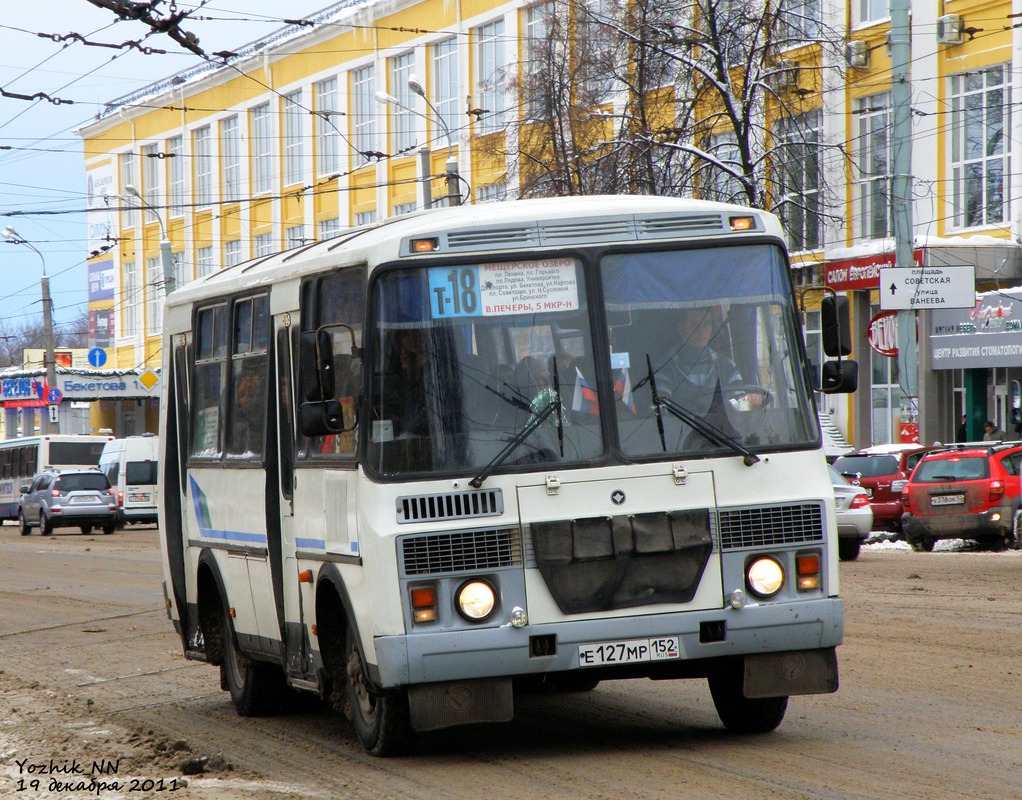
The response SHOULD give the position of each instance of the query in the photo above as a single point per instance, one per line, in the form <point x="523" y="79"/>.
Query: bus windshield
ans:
<point x="495" y="365"/>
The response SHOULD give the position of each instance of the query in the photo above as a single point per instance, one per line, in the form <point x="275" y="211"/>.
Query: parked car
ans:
<point x="80" y="498"/>
<point x="882" y="471"/>
<point x="969" y="492"/>
<point x="854" y="516"/>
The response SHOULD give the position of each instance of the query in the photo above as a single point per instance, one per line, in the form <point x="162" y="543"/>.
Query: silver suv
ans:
<point x="80" y="498"/>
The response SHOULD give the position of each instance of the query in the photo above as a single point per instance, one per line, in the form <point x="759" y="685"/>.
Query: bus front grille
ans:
<point x="441" y="553"/>
<point x="445" y="506"/>
<point x="767" y="526"/>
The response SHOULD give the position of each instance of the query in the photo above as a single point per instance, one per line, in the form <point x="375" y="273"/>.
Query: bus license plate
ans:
<point x="599" y="654"/>
<point x="947" y="500"/>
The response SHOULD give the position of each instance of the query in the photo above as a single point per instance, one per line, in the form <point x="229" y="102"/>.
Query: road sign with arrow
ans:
<point x="914" y="288"/>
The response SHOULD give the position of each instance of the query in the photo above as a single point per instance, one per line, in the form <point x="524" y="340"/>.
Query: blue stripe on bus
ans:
<point x="233" y="536"/>
<point x="316" y="544"/>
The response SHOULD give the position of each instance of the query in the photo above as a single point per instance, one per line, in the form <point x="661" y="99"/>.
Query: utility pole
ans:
<point x="901" y="196"/>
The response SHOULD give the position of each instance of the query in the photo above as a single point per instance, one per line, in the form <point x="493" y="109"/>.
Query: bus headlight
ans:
<point x="476" y="600"/>
<point x="765" y="577"/>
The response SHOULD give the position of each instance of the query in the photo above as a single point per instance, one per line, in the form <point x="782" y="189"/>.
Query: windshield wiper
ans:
<point x="697" y="423"/>
<point x="515" y="442"/>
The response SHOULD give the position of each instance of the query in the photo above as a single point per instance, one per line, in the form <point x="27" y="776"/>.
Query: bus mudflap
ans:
<point x="449" y="703"/>
<point x="791" y="673"/>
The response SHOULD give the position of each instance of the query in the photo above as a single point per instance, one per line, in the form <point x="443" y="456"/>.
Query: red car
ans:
<point x="970" y="492"/>
<point x="882" y="471"/>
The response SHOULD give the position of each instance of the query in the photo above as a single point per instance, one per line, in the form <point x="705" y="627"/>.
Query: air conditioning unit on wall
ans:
<point x="950" y="29"/>
<point x="857" y="54"/>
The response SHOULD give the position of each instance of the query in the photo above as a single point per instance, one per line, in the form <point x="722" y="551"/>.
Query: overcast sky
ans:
<point x="42" y="167"/>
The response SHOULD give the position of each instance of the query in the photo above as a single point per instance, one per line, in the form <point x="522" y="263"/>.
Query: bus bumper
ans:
<point x="535" y="650"/>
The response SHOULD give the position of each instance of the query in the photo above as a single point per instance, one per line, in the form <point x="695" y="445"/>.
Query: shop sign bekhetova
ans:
<point x="863" y="272"/>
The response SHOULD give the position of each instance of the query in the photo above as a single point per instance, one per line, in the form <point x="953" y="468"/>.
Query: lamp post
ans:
<point x="49" y="358"/>
<point x="169" y="278"/>
<point x="452" y="177"/>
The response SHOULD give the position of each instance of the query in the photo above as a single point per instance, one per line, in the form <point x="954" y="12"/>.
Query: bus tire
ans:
<point x="23" y="525"/>
<point x="381" y="720"/>
<point x="255" y="687"/>
<point x="741" y="714"/>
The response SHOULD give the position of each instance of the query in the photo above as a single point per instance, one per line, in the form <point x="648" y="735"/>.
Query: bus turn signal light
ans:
<point x="425" y="245"/>
<point x="742" y="223"/>
<point x="424" y="603"/>
<point x="807" y="567"/>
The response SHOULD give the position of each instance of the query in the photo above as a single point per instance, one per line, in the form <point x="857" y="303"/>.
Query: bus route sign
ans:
<point x="514" y="287"/>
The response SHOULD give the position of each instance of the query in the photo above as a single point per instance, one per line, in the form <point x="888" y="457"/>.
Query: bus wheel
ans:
<point x="381" y="721"/>
<point x="23" y="525"/>
<point x="741" y="714"/>
<point x="255" y="686"/>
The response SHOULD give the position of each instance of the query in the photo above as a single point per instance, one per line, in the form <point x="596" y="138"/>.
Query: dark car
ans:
<point x="882" y="471"/>
<point x="969" y="492"/>
<point x="70" y="499"/>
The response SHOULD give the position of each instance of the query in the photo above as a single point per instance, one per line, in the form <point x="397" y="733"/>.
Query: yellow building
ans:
<point x="355" y="117"/>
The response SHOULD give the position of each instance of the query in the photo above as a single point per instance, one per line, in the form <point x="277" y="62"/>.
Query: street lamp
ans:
<point x="169" y="278"/>
<point x="50" y="357"/>
<point x="452" y="177"/>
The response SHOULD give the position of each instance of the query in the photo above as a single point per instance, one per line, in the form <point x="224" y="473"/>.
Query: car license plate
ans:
<point x="947" y="499"/>
<point x="76" y="501"/>
<point x="597" y="654"/>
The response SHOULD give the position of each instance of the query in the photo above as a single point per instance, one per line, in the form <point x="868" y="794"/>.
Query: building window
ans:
<point x="870" y="11"/>
<point x="445" y="95"/>
<point x="294" y="141"/>
<point x="800" y="21"/>
<point x="980" y="118"/>
<point x="402" y="208"/>
<point x="490" y="77"/>
<point x="230" y="159"/>
<point x="129" y="177"/>
<point x="874" y="217"/>
<point x="294" y="237"/>
<point x="537" y="49"/>
<point x="328" y="228"/>
<point x="232" y="253"/>
<point x="363" y="110"/>
<point x="328" y="151"/>
<point x="176" y="166"/>
<point x="798" y="180"/>
<point x="152" y="186"/>
<point x="262" y="149"/>
<point x="365" y="218"/>
<point x="403" y="137"/>
<point x="717" y="183"/>
<point x="204" y="261"/>
<point x="155" y="293"/>
<point x="886" y="395"/>
<point x="263" y="245"/>
<point x="202" y="159"/>
<point x="491" y="192"/>
<point x="131" y="300"/>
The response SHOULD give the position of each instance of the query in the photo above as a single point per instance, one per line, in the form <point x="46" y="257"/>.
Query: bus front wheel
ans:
<point x="255" y="686"/>
<point x="380" y="719"/>
<point x="741" y="714"/>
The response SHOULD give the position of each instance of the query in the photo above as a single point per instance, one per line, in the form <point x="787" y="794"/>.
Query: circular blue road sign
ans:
<point x="97" y="357"/>
<point x="54" y="395"/>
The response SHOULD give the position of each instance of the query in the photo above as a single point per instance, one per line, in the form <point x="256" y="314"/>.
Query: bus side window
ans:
<point x="208" y="380"/>
<point x="247" y="420"/>
<point x="338" y="299"/>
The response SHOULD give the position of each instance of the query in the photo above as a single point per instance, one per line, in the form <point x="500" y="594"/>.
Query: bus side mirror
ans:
<point x="322" y="417"/>
<point x="316" y="365"/>
<point x="839" y="377"/>
<point x="835" y="328"/>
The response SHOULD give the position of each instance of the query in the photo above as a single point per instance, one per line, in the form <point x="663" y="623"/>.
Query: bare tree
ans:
<point x="676" y="97"/>
<point x="27" y="334"/>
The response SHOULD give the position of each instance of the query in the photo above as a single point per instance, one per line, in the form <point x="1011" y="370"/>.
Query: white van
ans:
<point x="131" y="466"/>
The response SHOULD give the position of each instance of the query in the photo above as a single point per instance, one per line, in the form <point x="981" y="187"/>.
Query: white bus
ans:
<point x="415" y="466"/>
<point x="22" y="459"/>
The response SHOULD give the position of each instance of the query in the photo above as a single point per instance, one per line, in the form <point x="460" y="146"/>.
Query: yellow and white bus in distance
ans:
<point x="554" y="441"/>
